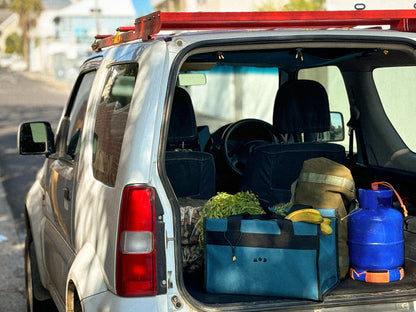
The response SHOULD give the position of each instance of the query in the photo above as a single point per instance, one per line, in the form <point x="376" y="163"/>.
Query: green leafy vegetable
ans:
<point x="223" y="205"/>
<point x="281" y="209"/>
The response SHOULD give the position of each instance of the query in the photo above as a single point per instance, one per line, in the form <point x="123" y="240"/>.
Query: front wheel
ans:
<point x="33" y="284"/>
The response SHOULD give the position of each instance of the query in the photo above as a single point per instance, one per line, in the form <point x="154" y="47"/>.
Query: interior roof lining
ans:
<point x="286" y="60"/>
<point x="303" y="44"/>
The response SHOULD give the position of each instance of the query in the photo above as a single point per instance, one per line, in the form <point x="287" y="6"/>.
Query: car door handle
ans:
<point x="67" y="193"/>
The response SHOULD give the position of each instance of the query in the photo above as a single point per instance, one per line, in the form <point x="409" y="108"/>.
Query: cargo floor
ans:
<point x="346" y="289"/>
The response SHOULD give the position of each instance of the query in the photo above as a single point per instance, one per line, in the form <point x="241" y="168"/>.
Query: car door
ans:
<point x="59" y="252"/>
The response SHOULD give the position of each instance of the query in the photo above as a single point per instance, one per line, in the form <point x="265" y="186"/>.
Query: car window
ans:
<point x="78" y="114"/>
<point x="110" y="122"/>
<point x="232" y="93"/>
<point x="397" y="93"/>
<point x="331" y="78"/>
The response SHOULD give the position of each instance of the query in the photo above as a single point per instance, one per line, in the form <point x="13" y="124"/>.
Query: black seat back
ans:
<point x="192" y="174"/>
<point x="272" y="169"/>
<point x="190" y="171"/>
<point x="183" y="133"/>
<point x="301" y="108"/>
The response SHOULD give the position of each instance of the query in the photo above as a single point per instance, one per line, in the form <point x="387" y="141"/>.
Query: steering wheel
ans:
<point x="240" y="137"/>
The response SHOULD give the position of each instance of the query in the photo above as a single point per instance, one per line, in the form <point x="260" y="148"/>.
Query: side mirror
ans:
<point x="35" y="138"/>
<point x="336" y="130"/>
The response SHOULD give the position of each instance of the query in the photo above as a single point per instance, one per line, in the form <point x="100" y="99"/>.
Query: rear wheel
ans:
<point x="37" y="297"/>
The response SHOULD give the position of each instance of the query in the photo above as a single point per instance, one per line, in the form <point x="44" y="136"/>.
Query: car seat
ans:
<point x="190" y="171"/>
<point x="301" y="110"/>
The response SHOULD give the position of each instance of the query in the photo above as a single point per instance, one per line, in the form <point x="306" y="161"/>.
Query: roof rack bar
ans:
<point x="402" y="20"/>
<point x="152" y="24"/>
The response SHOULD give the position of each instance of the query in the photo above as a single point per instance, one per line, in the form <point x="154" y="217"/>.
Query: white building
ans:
<point x="9" y="22"/>
<point x="66" y="33"/>
<point x="211" y="5"/>
<point x="332" y="5"/>
<point x="253" y="5"/>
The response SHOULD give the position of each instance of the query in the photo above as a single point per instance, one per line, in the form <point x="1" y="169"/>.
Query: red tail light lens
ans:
<point x="136" y="248"/>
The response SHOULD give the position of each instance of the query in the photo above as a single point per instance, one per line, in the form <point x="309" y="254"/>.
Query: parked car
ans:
<point x="166" y="114"/>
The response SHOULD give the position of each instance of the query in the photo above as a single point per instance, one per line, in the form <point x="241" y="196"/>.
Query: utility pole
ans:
<point x="96" y="12"/>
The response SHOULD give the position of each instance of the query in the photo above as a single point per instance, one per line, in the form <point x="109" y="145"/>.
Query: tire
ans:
<point x="33" y="284"/>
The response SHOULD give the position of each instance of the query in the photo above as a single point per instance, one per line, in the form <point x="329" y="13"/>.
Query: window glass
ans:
<point x="331" y="78"/>
<point x="111" y="118"/>
<point x="397" y="94"/>
<point x="78" y="114"/>
<point x="232" y="93"/>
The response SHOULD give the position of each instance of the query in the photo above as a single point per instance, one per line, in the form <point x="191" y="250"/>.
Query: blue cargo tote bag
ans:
<point x="267" y="258"/>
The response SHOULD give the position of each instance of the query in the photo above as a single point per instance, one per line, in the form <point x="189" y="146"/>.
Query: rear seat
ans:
<point x="190" y="171"/>
<point x="301" y="109"/>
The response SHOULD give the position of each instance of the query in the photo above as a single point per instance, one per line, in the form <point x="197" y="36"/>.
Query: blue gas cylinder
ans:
<point x="375" y="232"/>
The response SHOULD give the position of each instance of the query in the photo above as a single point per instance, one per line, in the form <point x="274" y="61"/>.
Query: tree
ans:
<point x="293" y="5"/>
<point x="14" y="44"/>
<point x="304" y="5"/>
<point x="29" y="11"/>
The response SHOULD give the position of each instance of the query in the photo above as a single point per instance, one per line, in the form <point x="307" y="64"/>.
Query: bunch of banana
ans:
<point x="311" y="216"/>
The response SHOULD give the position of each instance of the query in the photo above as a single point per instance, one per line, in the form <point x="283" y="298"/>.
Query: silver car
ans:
<point x="169" y="113"/>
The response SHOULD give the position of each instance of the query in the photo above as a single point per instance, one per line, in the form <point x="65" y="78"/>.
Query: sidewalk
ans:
<point x="12" y="274"/>
<point x="19" y="105"/>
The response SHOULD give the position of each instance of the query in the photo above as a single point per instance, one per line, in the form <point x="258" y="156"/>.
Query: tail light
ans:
<point x="136" y="247"/>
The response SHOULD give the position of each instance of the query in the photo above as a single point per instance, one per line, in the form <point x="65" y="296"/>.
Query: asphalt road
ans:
<point x="23" y="97"/>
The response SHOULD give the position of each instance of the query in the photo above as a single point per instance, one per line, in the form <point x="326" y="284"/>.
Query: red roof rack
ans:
<point x="152" y="24"/>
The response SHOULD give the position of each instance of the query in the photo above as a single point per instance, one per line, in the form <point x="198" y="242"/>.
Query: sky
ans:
<point x="142" y="7"/>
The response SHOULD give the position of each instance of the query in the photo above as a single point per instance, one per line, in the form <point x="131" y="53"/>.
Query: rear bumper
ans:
<point x="108" y="301"/>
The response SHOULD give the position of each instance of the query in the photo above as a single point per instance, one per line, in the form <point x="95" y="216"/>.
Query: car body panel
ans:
<point x="74" y="216"/>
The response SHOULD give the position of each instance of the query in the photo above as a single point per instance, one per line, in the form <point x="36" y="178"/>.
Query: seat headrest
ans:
<point x="182" y="126"/>
<point x="301" y="106"/>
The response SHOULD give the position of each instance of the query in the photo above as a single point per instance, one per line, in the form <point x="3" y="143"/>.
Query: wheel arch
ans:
<point x="85" y="278"/>
<point x="73" y="302"/>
